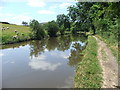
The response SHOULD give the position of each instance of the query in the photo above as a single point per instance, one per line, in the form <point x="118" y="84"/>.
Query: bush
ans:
<point x="52" y="28"/>
<point x="37" y="30"/>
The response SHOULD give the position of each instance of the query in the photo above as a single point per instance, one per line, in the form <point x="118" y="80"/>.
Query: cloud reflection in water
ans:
<point x="40" y="63"/>
<point x="68" y="83"/>
<point x="1" y="54"/>
<point x="64" y="55"/>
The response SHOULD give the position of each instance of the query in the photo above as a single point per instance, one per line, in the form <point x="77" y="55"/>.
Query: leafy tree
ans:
<point x="63" y="22"/>
<point x="79" y="16"/>
<point x="37" y="30"/>
<point x="24" y="23"/>
<point x="62" y="30"/>
<point x="100" y="17"/>
<point x="72" y="13"/>
<point x="52" y="28"/>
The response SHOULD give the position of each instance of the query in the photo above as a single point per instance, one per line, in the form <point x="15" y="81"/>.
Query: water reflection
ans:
<point x="1" y="54"/>
<point x="67" y="83"/>
<point x="75" y="44"/>
<point x="37" y="47"/>
<point x="37" y="63"/>
<point x="40" y="63"/>
<point x="76" y="55"/>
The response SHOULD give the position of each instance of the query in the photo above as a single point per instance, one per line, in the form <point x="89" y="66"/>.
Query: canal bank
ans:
<point x="99" y="68"/>
<point x="88" y="73"/>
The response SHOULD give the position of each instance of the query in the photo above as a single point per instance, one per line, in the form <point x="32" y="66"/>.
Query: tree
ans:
<point x="62" y="29"/>
<point x="52" y="28"/>
<point x="37" y="30"/>
<point x="24" y="23"/>
<point x="63" y="22"/>
<point x="79" y="16"/>
<point x="72" y="13"/>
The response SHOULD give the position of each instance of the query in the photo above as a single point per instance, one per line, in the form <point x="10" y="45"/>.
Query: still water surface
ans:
<point x="48" y="63"/>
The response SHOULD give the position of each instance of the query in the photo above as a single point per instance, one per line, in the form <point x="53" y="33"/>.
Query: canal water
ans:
<point x="48" y="63"/>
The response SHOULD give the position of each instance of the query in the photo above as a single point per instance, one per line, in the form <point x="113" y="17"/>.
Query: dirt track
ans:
<point x="108" y="64"/>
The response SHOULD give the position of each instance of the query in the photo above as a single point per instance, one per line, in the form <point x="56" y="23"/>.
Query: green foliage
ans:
<point x="62" y="30"/>
<point x="64" y="22"/>
<point x="52" y="28"/>
<point x="24" y="23"/>
<point x="79" y="15"/>
<point x="37" y="30"/>
<point x="102" y="18"/>
<point x="74" y="30"/>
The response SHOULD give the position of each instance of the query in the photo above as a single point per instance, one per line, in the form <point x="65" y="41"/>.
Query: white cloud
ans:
<point x="64" y="5"/>
<point x="21" y="18"/>
<point x="64" y="55"/>
<point x="53" y="7"/>
<point x="46" y="50"/>
<point x="63" y="0"/>
<point x="15" y="19"/>
<point x="68" y="83"/>
<point x="36" y="64"/>
<point x="40" y="63"/>
<point x="60" y="55"/>
<point x="40" y="57"/>
<point x="46" y="12"/>
<point x="13" y="0"/>
<point x="38" y="0"/>
<point x="36" y="3"/>
<point x="12" y="62"/>
<point x="1" y="54"/>
<point x="1" y="7"/>
<point x="81" y="43"/>
<point x="6" y="14"/>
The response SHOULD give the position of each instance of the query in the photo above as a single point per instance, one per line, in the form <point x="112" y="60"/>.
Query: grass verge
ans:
<point x="88" y="73"/>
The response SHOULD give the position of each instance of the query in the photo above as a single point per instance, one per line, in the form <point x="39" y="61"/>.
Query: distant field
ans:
<point x="7" y="34"/>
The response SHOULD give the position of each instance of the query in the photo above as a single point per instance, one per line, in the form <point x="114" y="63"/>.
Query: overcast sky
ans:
<point x="16" y="11"/>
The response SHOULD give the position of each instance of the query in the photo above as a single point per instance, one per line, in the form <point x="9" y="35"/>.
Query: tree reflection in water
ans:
<point x="76" y="54"/>
<point x="73" y="43"/>
<point x="37" y="47"/>
<point x="61" y="43"/>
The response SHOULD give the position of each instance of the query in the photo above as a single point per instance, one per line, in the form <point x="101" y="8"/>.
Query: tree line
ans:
<point x="95" y="17"/>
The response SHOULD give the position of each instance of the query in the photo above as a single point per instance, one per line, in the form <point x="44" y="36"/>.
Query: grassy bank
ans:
<point x="9" y="35"/>
<point x="112" y="44"/>
<point x="88" y="71"/>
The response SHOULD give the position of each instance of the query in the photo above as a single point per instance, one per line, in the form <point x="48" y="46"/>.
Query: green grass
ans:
<point x="7" y="35"/>
<point x="88" y="73"/>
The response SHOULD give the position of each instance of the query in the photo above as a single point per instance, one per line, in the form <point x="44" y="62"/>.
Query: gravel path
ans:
<point x="108" y="64"/>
